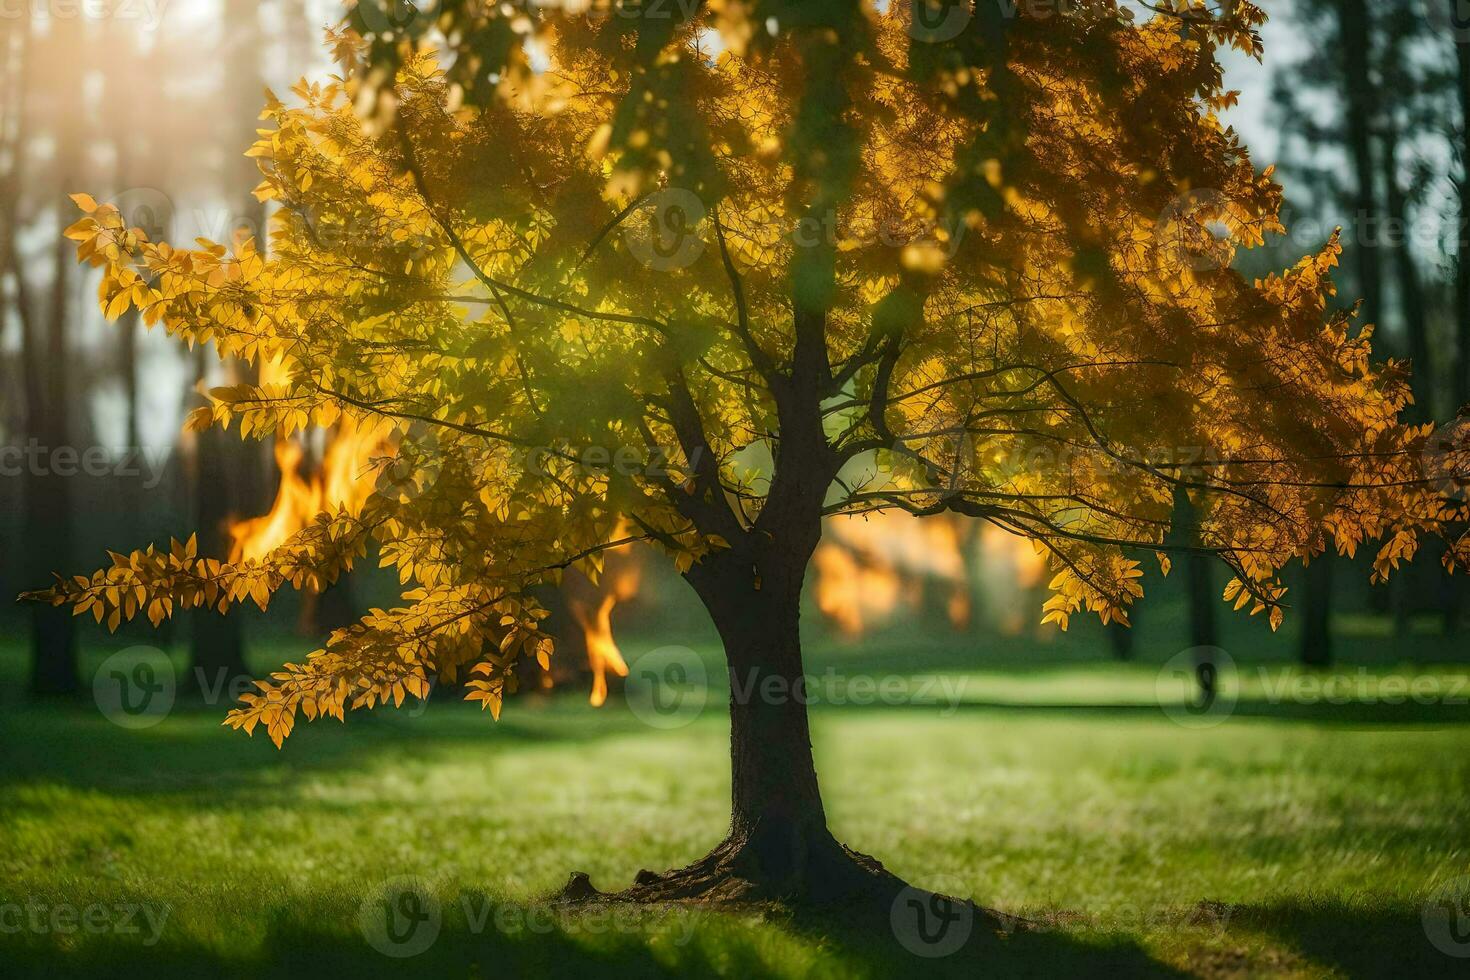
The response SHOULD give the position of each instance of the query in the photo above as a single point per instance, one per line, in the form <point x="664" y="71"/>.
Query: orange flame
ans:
<point x="1011" y="567"/>
<point x="870" y="567"/>
<point x="338" y="484"/>
<point x="851" y="591"/>
<point x="295" y="500"/>
<point x="622" y="574"/>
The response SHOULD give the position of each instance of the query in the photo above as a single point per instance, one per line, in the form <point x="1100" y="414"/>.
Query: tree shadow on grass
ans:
<point x="1354" y="940"/>
<point x="74" y="744"/>
<point x="1365" y="714"/>
<point x="890" y="950"/>
<point x="539" y="941"/>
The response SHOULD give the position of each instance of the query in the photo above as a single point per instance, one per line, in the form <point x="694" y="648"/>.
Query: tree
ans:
<point x="1460" y="33"/>
<point x="1350" y="27"/>
<point x="1363" y="157"/>
<point x="134" y="155"/>
<point x="1383" y="162"/>
<point x="1402" y="30"/>
<point x="45" y="354"/>
<point x="1460" y="310"/>
<point x="648" y="290"/>
<point x="227" y="477"/>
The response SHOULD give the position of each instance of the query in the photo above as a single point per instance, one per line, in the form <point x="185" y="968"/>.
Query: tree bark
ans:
<point x="48" y="532"/>
<point x="776" y="807"/>
<point x="1202" y="599"/>
<point x="1316" y="644"/>
<point x="779" y="847"/>
<point x="1356" y="45"/>
<point x="228" y="472"/>
<point x="1410" y="292"/>
<point x="216" y="642"/>
<point x="1362" y="115"/>
<point x="1410" y="284"/>
<point x="48" y="526"/>
<point x="1203" y="635"/>
<point x="1461" y="385"/>
<point x="1120" y="638"/>
<point x="1460" y="382"/>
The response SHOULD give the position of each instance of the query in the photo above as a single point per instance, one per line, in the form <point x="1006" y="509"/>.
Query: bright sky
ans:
<point x="1253" y="80"/>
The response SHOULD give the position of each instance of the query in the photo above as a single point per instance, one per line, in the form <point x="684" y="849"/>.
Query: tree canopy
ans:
<point x="677" y="279"/>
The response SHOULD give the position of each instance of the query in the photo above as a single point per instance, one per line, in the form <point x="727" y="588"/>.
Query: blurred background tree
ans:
<point x="1370" y="109"/>
<point x="116" y="99"/>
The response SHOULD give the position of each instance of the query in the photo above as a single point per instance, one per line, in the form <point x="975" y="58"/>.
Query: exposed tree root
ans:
<point x="823" y="879"/>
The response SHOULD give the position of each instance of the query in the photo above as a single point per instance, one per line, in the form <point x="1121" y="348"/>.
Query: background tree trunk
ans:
<point x="1361" y="115"/>
<point x="1203" y="635"/>
<point x="1407" y="280"/>
<point x="48" y="526"/>
<point x="1409" y="284"/>
<point x="216" y="643"/>
<point x="1461" y="385"/>
<point x="1460" y="380"/>
<point x="1202" y="599"/>
<point x="1316" y="643"/>
<point x="1120" y="637"/>
<point x="229" y="472"/>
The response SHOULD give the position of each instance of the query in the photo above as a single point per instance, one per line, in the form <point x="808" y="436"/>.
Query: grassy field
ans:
<point x="1300" y="836"/>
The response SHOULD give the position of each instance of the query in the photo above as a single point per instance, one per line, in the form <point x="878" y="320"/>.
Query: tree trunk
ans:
<point x="775" y="804"/>
<point x="1460" y="381"/>
<point x="1411" y="307"/>
<point x="1362" y="116"/>
<point x="1200" y="596"/>
<point x="1461" y="385"/>
<point x="1120" y="638"/>
<point x="1316" y="645"/>
<point x="48" y="530"/>
<point x="1410" y="285"/>
<point x="228" y="473"/>
<point x="778" y="847"/>
<point x="216" y="643"/>
<point x="1202" y="599"/>
<point x="1203" y="635"/>
<point x="334" y="608"/>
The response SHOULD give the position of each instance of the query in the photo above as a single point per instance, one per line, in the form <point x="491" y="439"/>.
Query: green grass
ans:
<point x="1297" y="839"/>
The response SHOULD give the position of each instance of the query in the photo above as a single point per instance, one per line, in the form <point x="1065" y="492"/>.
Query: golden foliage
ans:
<point x="993" y="276"/>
